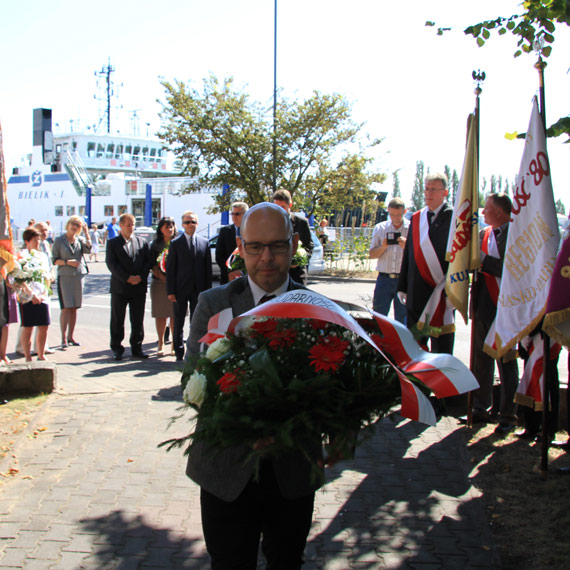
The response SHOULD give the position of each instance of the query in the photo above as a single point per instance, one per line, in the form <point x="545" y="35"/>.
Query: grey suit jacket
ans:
<point x="225" y="472"/>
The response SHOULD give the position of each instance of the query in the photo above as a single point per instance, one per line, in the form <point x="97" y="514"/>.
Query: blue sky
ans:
<point x="408" y="86"/>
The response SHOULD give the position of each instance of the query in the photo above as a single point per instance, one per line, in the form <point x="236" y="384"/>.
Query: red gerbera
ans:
<point x="328" y="355"/>
<point x="283" y="339"/>
<point x="229" y="382"/>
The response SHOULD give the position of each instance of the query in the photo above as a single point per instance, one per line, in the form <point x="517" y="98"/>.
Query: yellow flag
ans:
<point x="463" y="243"/>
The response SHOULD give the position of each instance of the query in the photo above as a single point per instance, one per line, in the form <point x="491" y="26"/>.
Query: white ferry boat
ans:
<point x="99" y="177"/>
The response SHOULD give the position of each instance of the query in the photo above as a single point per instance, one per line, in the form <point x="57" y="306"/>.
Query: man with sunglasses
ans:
<point x="237" y="509"/>
<point x="188" y="273"/>
<point x="226" y="243"/>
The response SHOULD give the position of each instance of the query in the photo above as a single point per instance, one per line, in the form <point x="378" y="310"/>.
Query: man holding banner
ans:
<point x="421" y="286"/>
<point x="493" y="240"/>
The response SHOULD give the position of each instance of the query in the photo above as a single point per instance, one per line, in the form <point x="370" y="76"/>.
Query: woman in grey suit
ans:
<point x="68" y="255"/>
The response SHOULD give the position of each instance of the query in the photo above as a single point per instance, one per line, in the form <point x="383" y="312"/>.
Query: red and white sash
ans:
<point x="436" y="313"/>
<point x="531" y="385"/>
<point x="489" y="247"/>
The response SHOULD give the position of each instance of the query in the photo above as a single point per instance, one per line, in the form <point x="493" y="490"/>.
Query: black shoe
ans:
<point x="139" y="354"/>
<point x="167" y="335"/>
<point x="504" y="428"/>
<point x="118" y="355"/>
<point x="179" y="357"/>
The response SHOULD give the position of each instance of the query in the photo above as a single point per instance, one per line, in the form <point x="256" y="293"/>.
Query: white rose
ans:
<point x="218" y="348"/>
<point x="195" y="390"/>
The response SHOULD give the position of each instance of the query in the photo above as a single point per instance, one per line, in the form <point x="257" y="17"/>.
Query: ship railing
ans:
<point x="77" y="172"/>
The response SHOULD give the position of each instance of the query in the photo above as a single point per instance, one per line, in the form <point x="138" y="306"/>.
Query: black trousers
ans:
<point x="180" y="310"/>
<point x="440" y="344"/>
<point x="232" y="530"/>
<point x="119" y="305"/>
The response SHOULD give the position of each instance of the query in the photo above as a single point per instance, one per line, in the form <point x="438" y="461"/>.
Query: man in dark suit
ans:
<point x="300" y="226"/>
<point x="226" y="243"/>
<point x="493" y="239"/>
<point x="188" y="273"/>
<point x="424" y="264"/>
<point x="128" y="259"/>
<point x="236" y="508"/>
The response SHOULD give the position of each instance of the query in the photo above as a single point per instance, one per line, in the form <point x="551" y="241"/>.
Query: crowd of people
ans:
<point x="274" y="505"/>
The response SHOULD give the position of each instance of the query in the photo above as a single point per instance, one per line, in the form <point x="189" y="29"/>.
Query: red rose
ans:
<point x="283" y="339"/>
<point x="264" y="328"/>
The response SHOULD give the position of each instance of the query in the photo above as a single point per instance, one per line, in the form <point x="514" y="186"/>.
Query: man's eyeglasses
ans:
<point x="186" y="222"/>
<point x="276" y="247"/>
<point x="432" y="190"/>
<point x="236" y="213"/>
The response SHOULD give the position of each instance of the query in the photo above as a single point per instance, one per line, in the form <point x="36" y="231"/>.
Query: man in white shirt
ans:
<point x="387" y="246"/>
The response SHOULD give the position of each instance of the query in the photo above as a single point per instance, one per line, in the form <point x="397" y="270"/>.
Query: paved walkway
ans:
<point x="94" y="492"/>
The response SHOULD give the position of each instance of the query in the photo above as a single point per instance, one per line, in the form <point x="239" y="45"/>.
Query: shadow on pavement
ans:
<point x="127" y="541"/>
<point x="387" y="518"/>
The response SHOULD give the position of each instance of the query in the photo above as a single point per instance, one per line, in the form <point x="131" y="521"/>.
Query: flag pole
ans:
<point x="547" y="384"/>
<point x="479" y="77"/>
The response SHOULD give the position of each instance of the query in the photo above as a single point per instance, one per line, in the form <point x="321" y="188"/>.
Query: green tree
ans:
<point x="533" y="27"/>
<point x="560" y="209"/>
<point x="454" y="184"/>
<point x="222" y="137"/>
<point x="418" y="200"/>
<point x="396" y="192"/>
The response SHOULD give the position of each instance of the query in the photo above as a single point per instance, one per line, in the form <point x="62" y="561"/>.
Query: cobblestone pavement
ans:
<point x="94" y="491"/>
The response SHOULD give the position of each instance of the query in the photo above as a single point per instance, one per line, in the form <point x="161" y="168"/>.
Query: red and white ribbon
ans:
<point x="444" y="374"/>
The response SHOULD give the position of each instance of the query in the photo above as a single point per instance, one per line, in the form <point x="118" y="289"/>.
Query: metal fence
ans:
<point x="348" y="247"/>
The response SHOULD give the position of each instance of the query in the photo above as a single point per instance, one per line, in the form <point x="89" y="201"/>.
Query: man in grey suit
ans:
<point x="237" y="509"/>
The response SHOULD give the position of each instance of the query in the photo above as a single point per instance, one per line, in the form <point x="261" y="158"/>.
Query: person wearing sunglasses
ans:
<point x="226" y="243"/>
<point x="188" y="273"/>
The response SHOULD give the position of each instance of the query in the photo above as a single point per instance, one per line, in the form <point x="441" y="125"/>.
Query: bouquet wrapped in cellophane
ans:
<point x="299" y="368"/>
<point x="31" y="276"/>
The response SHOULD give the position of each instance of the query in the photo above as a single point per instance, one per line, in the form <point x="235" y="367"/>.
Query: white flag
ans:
<point x="531" y="248"/>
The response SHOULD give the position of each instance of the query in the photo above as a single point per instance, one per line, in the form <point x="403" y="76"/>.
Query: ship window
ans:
<point x="74" y="145"/>
<point x="100" y="150"/>
<point x="91" y="149"/>
<point x="136" y="151"/>
<point x="71" y="210"/>
<point x="128" y="149"/>
<point x="145" y="151"/>
<point x="109" y="211"/>
<point x="110" y="150"/>
<point x="152" y="154"/>
<point x="122" y="209"/>
<point x="81" y="210"/>
<point x="118" y="151"/>
<point x="58" y="210"/>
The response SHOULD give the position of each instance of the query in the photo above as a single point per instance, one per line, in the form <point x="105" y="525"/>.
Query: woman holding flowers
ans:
<point x="68" y="255"/>
<point x="31" y="278"/>
<point x="162" y="307"/>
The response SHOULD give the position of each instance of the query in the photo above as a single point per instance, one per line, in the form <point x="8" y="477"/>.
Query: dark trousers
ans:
<point x="440" y="344"/>
<point x="180" y="310"/>
<point x="484" y="371"/>
<point x="232" y="530"/>
<point x="119" y="305"/>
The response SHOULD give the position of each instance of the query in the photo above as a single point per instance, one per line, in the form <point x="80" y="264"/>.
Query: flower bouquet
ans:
<point x="298" y="369"/>
<point x="161" y="259"/>
<point x="31" y="276"/>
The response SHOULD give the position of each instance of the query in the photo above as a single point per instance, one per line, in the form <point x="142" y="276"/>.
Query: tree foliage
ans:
<point x="534" y="29"/>
<point x="396" y="192"/>
<point x="220" y="137"/>
<point x="560" y="209"/>
<point x="418" y="200"/>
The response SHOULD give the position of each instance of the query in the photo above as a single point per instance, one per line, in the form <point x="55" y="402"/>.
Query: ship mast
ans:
<point x="106" y="73"/>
